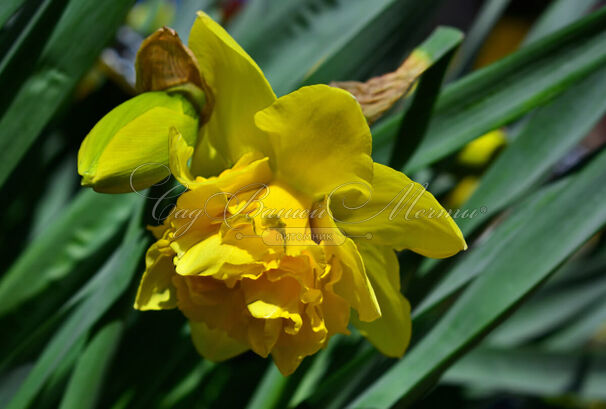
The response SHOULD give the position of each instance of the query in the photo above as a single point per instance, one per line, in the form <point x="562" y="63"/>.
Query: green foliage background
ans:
<point x="510" y="323"/>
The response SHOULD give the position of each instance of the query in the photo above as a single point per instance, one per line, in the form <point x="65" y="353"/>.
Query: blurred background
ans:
<point x="541" y="357"/>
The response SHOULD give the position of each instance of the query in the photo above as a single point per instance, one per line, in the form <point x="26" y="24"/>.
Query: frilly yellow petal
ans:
<point x="400" y="214"/>
<point x="390" y="334"/>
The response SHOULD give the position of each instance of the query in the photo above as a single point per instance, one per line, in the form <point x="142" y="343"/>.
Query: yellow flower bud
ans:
<point x="128" y="148"/>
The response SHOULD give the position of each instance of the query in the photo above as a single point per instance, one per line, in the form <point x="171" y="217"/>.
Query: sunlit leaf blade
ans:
<point x="11" y="380"/>
<point x="295" y="39"/>
<point x="477" y="260"/>
<point x="399" y="23"/>
<point x="344" y="382"/>
<point x="559" y="13"/>
<point x="186" y="386"/>
<point x="51" y="393"/>
<point x="578" y="332"/>
<point x="262" y="17"/>
<point x="73" y="237"/>
<point x="313" y="376"/>
<point x="487" y="17"/>
<point x="532" y="371"/>
<point x="268" y="393"/>
<point x="549" y="134"/>
<point x="111" y="282"/>
<point x="78" y="37"/>
<point x="502" y="92"/>
<point x="86" y="380"/>
<point x="23" y="39"/>
<point x="546" y="311"/>
<point x="56" y="198"/>
<point x="186" y="15"/>
<point x="512" y="274"/>
<point x="438" y="50"/>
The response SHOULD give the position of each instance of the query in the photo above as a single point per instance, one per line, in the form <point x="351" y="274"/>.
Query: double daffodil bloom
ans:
<point x="288" y="231"/>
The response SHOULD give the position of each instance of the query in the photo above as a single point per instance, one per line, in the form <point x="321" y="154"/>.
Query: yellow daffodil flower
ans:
<point x="480" y="151"/>
<point x="288" y="231"/>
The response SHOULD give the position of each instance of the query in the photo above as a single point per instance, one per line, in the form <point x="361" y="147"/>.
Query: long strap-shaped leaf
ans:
<point x="440" y="48"/>
<point x="314" y="41"/>
<point x="83" y="228"/>
<point x="551" y="132"/>
<point x="105" y="289"/>
<point x="83" y="30"/>
<point x="504" y="91"/>
<point x="569" y="216"/>
<point x="87" y="378"/>
<point x="546" y="311"/>
<point x="558" y="14"/>
<point x="9" y="7"/>
<point x="532" y="371"/>
<point x="545" y="138"/>
<point x="488" y="16"/>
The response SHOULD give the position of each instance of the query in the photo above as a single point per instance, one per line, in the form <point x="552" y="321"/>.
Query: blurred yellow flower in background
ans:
<point x="480" y="151"/>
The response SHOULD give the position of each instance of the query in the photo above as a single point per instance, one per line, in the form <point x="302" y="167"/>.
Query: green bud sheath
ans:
<point x="128" y="148"/>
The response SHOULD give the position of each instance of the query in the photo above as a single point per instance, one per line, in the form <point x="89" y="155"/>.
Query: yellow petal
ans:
<point x="353" y="284"/>
<point x="263" y="335"/>
<point x="290" y="350"/>
<point x="156" y="291"/>
<point x="240" y="90"/>
<point x="199" y="211"/>
<point x="128" y="148"/>
<point x="320" y="139"/>
<point x="390" y="334"/>
<point x="214" y="344"/>
<point x="204" y="299"/>
<point x="179" y="154"/>
<point x="211" y="257"/>
<point x="272" y="300"/>
<point x="400" y="214"/>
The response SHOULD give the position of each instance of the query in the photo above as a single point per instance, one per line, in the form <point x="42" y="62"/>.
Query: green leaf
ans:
<point x="483" y="24"/>
<point x="269" y="392"/>
<point x="577" y="333"/>
<point x="9" y="7"/>
<point x="11" y="380"/>
<point x="512" y="273"/>
<point x="50" y="395"/>
<point x="546" y="311"/>
<point x="78" y="37"/>
<point x="86" y="380"/>
<point x="337" y="389"/>
<point x="23" y="38"/>
<point x="56" y="196"/>
<point x="436" y="52"/>
<point x="532" y="371"/>
<point x="398" y="26"/>
<point x="186" y="15"/>
<point x="186" y="386"/>
<point x="109" y="284"/>
<point x="502" y="92"/>
<point x="314" y="375"/>
<point x="320" y="40"/>
<point x="478" y="259"/>
<point x="83" y="229"/>
<point x="559" y="14"/>
<point x="551" y="132"/>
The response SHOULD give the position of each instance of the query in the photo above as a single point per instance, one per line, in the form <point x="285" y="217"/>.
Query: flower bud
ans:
<point x="128" y="148"/>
